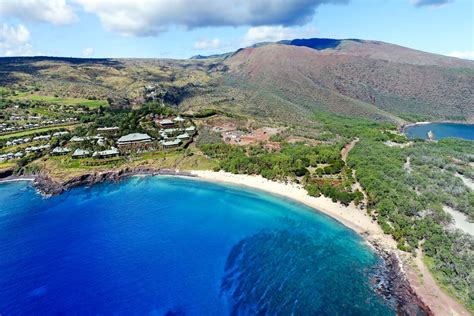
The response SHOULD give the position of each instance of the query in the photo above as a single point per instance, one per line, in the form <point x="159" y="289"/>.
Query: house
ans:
<point x="60" y="151"/>
<point x="166" y="123"/>
<point x="183" y="136"/>
<point x="112" y="152"/>
<point x="43" y="137"/>
<point x="171" y="131"/>
<point x="171" y="143"/>
<point x="80" y="153"/>
<point x="57" y="134"/>
<point x="77" y="139"/>
<point x="190" y="130"/>
<point x="179" y="119"/>
<point x="133" y="139"/>
<point x="36" y="148"/>
<point x="101" y="142"/>
<point x="112" y="129"/>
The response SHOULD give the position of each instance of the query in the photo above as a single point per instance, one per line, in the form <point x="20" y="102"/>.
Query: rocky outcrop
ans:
<point x="392" y="283"/>
<point x="48" y="186"/>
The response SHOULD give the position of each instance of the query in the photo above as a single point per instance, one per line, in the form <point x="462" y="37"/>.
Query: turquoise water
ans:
<point x="171" y="246"/>
<point x="441" y="130"/>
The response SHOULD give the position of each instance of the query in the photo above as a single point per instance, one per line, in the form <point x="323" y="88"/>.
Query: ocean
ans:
<point x="175" y="246"/>
<point x="441" y="130"/>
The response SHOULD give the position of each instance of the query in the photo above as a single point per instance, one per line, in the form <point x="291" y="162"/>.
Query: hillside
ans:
<point x="287" y="81"/>
<point x="363" y="78"/>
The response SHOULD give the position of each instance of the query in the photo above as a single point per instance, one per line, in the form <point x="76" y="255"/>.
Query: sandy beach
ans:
<point x="350" y="216"/>
<point x="356" y="219"/>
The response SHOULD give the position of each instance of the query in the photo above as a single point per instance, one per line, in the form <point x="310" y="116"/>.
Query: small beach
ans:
<point x="350" y="216"/>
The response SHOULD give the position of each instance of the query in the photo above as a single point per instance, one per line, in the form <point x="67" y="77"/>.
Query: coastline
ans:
<point x="349" y="216"/>
<point x="404" y="280"/>
<point x="431" y="297"/>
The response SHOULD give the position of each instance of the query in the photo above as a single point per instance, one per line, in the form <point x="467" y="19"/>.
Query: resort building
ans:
<point x="112" y="129"/>
<point x="166" y="123"/>
<point x="81" y="153"/>
<point x="60" y="151"/>
<point x="112" y="152"/>
<point x="134" y="139"/>
<point x="33" y="149"/>
<point x="171" y="131"/>
<point x="43" y="137"/>
<point x="77" y="139"/>
<point x="190" y="129"/>
<point x="171" y="143"/>
<point x="183" y="136"/>
<point x="57" y="134"/>
<point x="179" y="119"/>
<point x="101" y="142"/>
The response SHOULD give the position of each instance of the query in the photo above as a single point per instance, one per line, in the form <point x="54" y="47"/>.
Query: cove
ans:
<point x="441" y="130"/>
<point x="173" y="246"/>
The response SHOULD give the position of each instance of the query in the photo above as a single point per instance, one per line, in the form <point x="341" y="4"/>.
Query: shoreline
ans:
<point x="349" y="216"/>
<point x="402" y="275"/>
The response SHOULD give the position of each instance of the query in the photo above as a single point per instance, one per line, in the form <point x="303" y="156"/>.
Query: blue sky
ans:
<point x="182" y="28"/>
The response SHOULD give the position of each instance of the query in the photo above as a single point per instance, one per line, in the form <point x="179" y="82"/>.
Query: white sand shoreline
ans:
<point x="350" y="216"/>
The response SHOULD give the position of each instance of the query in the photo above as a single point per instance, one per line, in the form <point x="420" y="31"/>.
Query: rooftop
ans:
<point x="103" y="129"/>
<point x="111" y="151"/>
<point x="81" y="152"/>
<point x="174" y="142"/>
<point x="61" y="150"/>
<point x="134" y="137"/>
<point x="166" y="122"/>
<point x="183" y="136"/>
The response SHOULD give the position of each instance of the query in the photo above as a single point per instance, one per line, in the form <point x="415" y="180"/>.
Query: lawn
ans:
<point x="7" y="164"/>
<point x="67" y="101"/>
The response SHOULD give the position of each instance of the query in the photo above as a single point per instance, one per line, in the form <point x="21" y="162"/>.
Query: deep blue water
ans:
<point x="441" y="130"/>
<point x="171" y="246"/>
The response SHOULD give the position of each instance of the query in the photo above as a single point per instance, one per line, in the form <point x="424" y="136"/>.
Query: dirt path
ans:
<point x="429" y="291"/>
<point x="347" y="149"/>
<point x="344" y="154"/>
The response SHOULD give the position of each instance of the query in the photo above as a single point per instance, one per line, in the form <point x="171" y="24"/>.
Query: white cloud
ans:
<point x="15" y="41"/>
<point x="57" y="12"/>
<point x="275" y="33"/>
<point x="150" y="17"/>
<point x="208" y="44"/>
<point x="88" y="52"/>
<point x="464" y="54"/>
<point x="429" y="3"/>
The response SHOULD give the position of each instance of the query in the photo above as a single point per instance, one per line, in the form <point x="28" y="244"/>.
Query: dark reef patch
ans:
<point x="285" y="272"/>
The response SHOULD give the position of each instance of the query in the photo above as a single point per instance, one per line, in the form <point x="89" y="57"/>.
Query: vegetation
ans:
<point x="90" y="103"/>
<point x="407" y="199"/>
